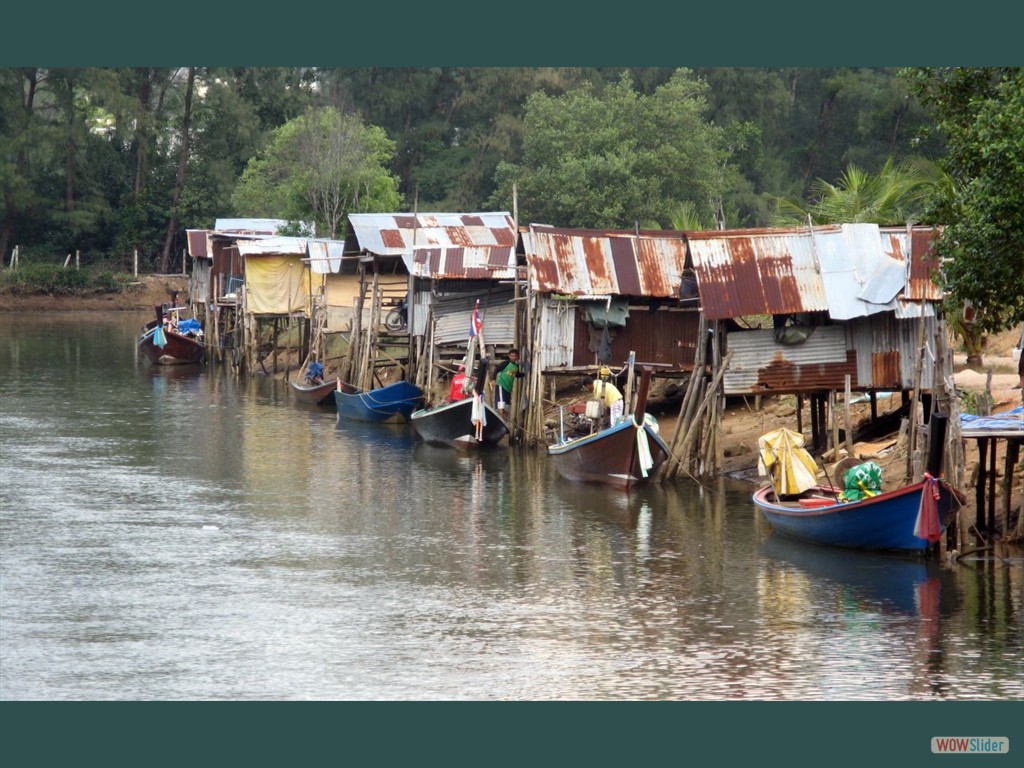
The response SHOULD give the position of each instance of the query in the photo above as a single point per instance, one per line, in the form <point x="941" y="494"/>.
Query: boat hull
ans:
<point x="315" y="394"/>
<point x="611" y="456"/>
<point x="884" y="522"/>
<point x="178" y="349"/>
<point x="391" y="404"/>
<point x="452" y="425"/>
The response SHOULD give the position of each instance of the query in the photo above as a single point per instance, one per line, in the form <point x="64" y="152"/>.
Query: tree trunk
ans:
<point x="69" y="155"/>
<point x="13" y="211"/>
<point x="179" y="182"/>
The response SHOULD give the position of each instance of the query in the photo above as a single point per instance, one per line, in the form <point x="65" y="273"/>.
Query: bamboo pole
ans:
<point x="711" y="392"/>
<point x="847" y="417"/>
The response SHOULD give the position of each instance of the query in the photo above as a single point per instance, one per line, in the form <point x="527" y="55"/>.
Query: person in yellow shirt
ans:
<point x="604" y="391"/>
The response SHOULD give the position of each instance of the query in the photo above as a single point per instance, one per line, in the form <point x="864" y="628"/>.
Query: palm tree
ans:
<point x="898" y="193"/>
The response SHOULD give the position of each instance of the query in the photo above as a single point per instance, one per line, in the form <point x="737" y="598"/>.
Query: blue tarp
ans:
<point x="191" y="325"/>
<point x="999" y="422"/>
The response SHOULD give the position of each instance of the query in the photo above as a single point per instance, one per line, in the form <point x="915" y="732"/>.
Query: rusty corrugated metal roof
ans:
<point x="274" y="246"/>
<point x="250" y="226"/>
<point x="579" y="262"/>
<point x="462" y="263"/>
<point x="393" y="234"/>
<point x="756" y="271"/>
<point x="848" y="270"/>
<point x="921" y="283"/>
<point x="197" y="243"/>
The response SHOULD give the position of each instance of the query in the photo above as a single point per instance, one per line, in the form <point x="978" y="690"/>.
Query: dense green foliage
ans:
<point x="981" y="112"/>
<point x="617" y="157"/>
<point x="898" y="193"/>
<point x="319" y="167"/>
<point x="110" y="162"/>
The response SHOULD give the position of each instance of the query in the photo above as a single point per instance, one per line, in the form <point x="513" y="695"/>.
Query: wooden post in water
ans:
<point x="846" y="418"/>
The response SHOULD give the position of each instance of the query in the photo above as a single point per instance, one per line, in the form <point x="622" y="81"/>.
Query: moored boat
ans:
<point x="862" y="516"/>
<point x="177" y="342"/>
<point x="313" y="389"/>
<point x="622" y="455"/>
<point x="885" y="522"/>
<point x="464" y="424"/>
<point x="391" y="403"/>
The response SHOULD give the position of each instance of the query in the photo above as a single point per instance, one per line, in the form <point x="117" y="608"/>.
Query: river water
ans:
<point x="177" y="534"/>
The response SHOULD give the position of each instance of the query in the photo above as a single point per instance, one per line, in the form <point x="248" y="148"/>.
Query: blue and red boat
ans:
<point x="888" y="521"/>
<point x="860" y="515"/>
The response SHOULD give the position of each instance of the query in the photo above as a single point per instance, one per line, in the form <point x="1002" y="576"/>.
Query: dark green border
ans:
<point x="559" y="33"/>
<point x="527" y="32"/>
<point x="488" y="734"/>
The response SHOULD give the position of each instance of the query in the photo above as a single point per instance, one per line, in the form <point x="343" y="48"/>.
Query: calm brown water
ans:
<point x="183" y="534"/>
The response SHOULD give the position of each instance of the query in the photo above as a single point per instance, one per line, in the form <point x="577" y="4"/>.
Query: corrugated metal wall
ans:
<point x="555" y="335"/>
<point x="879" y="352"/>
<point x="452" y="314"/>
<point x="664" y="336"/>
<point x="199" y="287"/>
<point x="887" y="348"/>
<point x="761" y="365"/>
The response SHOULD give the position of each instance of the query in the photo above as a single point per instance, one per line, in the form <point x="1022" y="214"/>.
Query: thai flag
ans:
<point x="475" y="324"/>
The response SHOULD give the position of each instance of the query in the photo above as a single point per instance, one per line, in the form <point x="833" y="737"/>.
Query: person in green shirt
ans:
<point x="505" y="378"/>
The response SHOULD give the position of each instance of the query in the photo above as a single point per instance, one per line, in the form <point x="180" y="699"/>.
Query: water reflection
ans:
<point x="189" y="534"/>
<point x="894" y="583"/>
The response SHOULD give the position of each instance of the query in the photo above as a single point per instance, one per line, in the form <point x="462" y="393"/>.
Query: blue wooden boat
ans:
<point x="886" y="522"/>
<point x="391" y="403"/>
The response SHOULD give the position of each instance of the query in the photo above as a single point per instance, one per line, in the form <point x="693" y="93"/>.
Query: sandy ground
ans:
<point x="743" y="422"/>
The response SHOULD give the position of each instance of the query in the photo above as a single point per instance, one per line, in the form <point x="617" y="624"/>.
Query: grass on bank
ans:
<point x="56" y="280"/>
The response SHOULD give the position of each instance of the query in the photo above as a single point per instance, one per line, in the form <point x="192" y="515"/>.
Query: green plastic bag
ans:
<point x="861" y="482"/>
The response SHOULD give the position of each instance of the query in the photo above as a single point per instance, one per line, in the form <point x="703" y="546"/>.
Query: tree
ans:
<point x="898" y="193"/>
<point x="980" y="112"/>
<point x="610" y="157"/>
<point x="179" y="179"/>
<point x="452" y="125"/>
<point x="322" y="165"/>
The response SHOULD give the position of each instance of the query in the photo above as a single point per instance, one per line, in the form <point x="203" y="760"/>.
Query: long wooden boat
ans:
<point x="455" y="424"/>
<point x="391" y="403"/>
<point x="623" y="455"/>
<point x="885" y="522"/>
<point x="164" y="345"/>
<point x="315" y="394"/>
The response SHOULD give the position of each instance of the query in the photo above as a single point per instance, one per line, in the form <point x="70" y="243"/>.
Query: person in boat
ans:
<point x="604" y="391"/>
<point x="505" y="378"/>
<point x="462" y="385"/>
<point x="315" y="373"/>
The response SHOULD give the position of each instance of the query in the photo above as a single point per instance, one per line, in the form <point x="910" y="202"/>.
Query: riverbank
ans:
<point x="744" y="421"/>
<point x="142" y="294"/>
